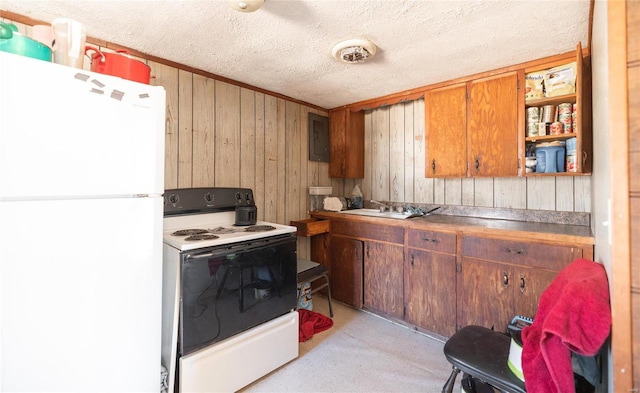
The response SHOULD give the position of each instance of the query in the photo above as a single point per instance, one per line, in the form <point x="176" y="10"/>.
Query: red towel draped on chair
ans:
<point x="574" y="315"/>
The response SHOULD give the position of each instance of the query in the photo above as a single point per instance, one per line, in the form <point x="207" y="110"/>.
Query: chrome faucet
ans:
<point x="382" y="206"/>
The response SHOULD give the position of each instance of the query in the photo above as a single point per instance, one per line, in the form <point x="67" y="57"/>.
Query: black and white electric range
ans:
<point x="229" y="291"/>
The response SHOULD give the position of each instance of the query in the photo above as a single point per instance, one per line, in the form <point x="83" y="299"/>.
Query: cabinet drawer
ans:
<point x="362" y="230"/>
<point x="524" y="253"/>
<point x="434" y="241"/>
<point x="311" y="227"/>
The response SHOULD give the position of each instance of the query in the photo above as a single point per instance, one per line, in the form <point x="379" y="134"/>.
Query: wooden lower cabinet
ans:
<point x="383" y="273"/>
<point x="430" y="291"/>
<point x="345" y="270"/>
<point x="498" y="279"/>
<point x="440" y="281"/>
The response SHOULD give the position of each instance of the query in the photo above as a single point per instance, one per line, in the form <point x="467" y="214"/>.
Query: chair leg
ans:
<point x="329" y="296"/>
<point x="448" y="387"/>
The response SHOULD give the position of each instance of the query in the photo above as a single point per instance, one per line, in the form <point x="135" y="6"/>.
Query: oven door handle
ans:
<point x="203" y="255"/>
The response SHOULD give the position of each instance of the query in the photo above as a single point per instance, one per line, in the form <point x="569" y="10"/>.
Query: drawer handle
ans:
<point x="433" y="165"/>
<point x="510" y="251"/>
<point x="426" y="239"/>
<point x="412" y="261"/>
<point x="505" y="279"/>
<point x="522" y="283"/>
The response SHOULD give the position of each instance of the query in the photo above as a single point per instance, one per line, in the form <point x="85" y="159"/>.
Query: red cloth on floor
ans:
<point x="311" y="323"/>
<point x="574" y="314"/>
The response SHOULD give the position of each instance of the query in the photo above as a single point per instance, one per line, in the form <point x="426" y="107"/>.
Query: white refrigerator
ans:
<point x="81" y="183"/>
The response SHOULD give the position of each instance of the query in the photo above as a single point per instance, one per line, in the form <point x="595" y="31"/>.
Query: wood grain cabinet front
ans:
<point x="430" y="281"/>
<point x="345" y="270"/>
<point x="471" y="128"/>
<point x="383" y="273"/>
<point x="498" y="278"/>
<point x="346" y="144"/>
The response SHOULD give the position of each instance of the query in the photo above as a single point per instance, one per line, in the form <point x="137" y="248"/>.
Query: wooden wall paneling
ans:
<point x="259" y="185"/>
<point x="203" y="131"/>
<point x="483" y="192"/>
<point x="227" y="142"/>
<point x="367" y="184"/>
<point x="633" y="86"/>
<point x="438" y="191"/>
<point x="468" y="191"/>
<point x="185" y="129"/>
<point x="634" y="213"/>
<point x="380" y="155"/>
<point x="582" y="194"/>
<point x="281" y="161"/>
<point x="293" y="169"/>
<point x="423" y="187"/>
<point x="541" y="193"/>
<point x="510" y="192"/>
<point x="168" y="78"/>
<point x="338" y="186"/>
<point x="271" y="175"/>
<point x="453" y="191"/>
<point x="407" y="153"/>
<point x="397" y="168"/>
<point x="247" y="138"/>
<point x="623" y="332"/>
<point x="303" y="188"/>
<point x="564" y="194"/>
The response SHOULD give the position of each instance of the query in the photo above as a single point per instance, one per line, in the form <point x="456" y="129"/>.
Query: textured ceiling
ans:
<point x="285" y="46"/>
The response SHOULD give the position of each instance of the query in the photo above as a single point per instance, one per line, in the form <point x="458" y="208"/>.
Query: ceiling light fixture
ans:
<point x="246" y="5"/>
<point x="354" y="51"/>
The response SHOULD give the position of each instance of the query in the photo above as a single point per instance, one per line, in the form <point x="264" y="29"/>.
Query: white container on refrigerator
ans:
<point x="81" y="183"/>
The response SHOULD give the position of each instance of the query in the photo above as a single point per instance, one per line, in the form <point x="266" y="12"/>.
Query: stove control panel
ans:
<point x="205" y="200"/>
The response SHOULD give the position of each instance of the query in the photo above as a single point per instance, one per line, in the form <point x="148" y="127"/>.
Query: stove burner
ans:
<point x="260" y="228"/>
<point x="188" y="232"/>
<point x="201" y="236"/>
<point x="223" y="230"/>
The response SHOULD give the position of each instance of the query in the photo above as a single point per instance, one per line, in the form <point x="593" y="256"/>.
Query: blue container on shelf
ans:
<point x="550" y="159"/>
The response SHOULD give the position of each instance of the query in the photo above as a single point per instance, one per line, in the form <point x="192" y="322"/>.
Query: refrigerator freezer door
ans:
<point x="67" y="132"/>
<point x="80" y="295"/>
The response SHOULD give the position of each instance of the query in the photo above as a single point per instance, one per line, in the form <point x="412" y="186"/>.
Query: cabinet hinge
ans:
<point x="404" y="312"/>
<point x="458" y="267"/>
<point x="518" y="84"/>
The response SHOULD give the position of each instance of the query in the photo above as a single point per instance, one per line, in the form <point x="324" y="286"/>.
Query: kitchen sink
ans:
<point x="378" y="213"/>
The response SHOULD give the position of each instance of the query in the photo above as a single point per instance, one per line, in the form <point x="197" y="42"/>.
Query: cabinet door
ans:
<point x="485" y="294"/>
<point x="492" y="132"/>
<point x="345" y="270"/>
<point x="383" y="265"/>
<point x="446" y="131"/>
<point x="346" y="144"/>
<point x="430" y="291"/>
<point x="530" y="285"/>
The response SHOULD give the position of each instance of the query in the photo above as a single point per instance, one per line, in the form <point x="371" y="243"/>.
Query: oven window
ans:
<point x="232" y="288"/>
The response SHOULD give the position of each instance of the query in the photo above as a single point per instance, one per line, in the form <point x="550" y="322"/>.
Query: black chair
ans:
<point x="308" y="272"/>
<point x="575" y="306"/>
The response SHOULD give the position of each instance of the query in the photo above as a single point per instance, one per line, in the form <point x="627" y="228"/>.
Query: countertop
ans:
<point x="554" y="232"/>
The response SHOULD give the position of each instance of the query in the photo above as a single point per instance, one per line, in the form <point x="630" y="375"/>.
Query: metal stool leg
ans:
<point x="329" y="295"/>
<point x="448" y="387"/>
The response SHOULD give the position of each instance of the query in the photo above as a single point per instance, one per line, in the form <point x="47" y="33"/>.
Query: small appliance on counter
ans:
<point x="317" y="196"/>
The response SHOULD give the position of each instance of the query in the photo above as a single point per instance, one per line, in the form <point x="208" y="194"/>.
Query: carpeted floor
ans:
<point x="361" y="353"/>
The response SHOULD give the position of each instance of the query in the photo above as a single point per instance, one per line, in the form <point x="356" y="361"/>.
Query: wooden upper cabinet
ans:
<point x="471" y="128"/>
<point x="492" y="132"/>
<point x="446" y="131"/>
<point x="581" y="130"/>
<point x="346" y="140"/>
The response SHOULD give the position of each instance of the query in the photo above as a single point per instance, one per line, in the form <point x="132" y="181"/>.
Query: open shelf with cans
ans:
<point x="557" y="117"/>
